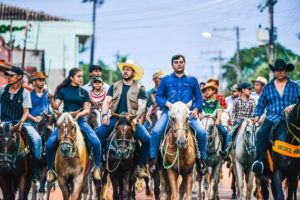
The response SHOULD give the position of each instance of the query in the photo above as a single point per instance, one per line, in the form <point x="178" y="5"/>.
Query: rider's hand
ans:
<point x="21" y="126"/>
<point x="289" y="108"/>
<point x="105" y="120"/>
<point x="169" y="105"/>
<point x="37" y="119"/>
<point x="194" y="113"/>
<point x="200" y="115"/>
<point x="50" y="96"/>
<point x="149" y="119"/>
<point x="134" y="121"/>
<point x="217" y="122"/>
<point x="255" y="119"/>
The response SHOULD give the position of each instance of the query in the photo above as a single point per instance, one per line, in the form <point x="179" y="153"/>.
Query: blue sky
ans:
<point x="151" y="32"/>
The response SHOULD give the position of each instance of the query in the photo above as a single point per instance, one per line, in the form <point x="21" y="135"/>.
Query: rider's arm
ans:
<point x="262" y="103"/>
<point x="55" y="104"/>
<point x="31" y="118"/>
<point x="160" y="95"/>
<point x="141" y="108"/>
<point x="197" y="95"/>
<point x="86" y="110"/>
<point x="25" y="115"/>
<point x="105" y="106"/>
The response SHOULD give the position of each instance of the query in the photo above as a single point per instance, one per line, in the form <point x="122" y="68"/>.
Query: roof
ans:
<point x="8" y="12"/>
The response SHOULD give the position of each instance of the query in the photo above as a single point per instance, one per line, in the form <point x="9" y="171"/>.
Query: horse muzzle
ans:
<point x="66" y="150"/>
<point x="181" y="143"/>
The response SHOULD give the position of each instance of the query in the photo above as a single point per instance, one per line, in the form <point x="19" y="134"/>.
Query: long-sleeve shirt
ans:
<point x="274" y="103"/>
<point x="243" y="108"/>
<point x="173" y="89"/>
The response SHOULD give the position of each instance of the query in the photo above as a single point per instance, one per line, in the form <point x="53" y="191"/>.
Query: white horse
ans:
<point x="243" y="157"/>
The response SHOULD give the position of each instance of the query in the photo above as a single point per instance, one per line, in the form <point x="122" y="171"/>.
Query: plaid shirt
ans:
<point x="274" y="103"/>
<point x="243" y="109"/>
<point x="222" y="101"/>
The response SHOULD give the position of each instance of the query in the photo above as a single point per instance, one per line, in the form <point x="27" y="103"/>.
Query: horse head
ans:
<point x="124" y="135"/>
<point x="46" y="126"/>
<point x="67" y="135"/>
<point x="208" y="122"/>
<point x="9" y="145"/>
<point x="94" y="118"/>
<point x="179" y="115"/>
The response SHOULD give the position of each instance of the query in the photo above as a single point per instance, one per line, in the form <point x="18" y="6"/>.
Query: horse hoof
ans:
<point x="233" y="196"/>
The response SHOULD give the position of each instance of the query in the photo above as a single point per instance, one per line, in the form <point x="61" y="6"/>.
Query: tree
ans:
<point x="254" y="62"/>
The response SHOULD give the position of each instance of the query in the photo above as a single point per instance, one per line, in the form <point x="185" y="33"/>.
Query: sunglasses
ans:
<point x="178" y="62"/>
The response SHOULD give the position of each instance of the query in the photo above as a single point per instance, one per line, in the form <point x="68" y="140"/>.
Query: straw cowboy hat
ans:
<point x="139" y="72"/>
<point x="209" y="85"/>
<point x="158" y="74"/>
<point x="213" y="79"/>
<point x="260" y="79"/>
<point x="37" y="75"/>
<point x="280" y="64"/>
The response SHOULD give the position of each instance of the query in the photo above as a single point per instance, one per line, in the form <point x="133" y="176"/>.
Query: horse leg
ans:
<point x="24" y="186"/>
<point x="49" y="187"/>
<point x="115" y="185"/>
<point x="64" y="187"/>
<point x="215" y="181"/>
<point x="127" y="184"/>
<point x="183" y="186"/>
<point x="249" y="184"/>
<point x="148" y="190"/>
<point x="173" y="183"/>
<point x="292" y="186"/>
<point x="41" y="191"/>
<point x="276" y="185"/>
<point x="199" y="178"/>
<point x="206" y="183"/>
<point x="156" y="180"/>
<point x="233" y="181"/>
<point x="240" y="179"/>
<point x="77" y="186"/>
<point x="7" y="189"/>
<point x="189" y="183"/>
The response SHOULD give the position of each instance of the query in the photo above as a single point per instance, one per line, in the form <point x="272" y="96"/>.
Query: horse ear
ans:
<point x="74" y="114"/>
<point x="189" y="104"/>
<point x="115" y="115"/>
<point x="57" y="113"/>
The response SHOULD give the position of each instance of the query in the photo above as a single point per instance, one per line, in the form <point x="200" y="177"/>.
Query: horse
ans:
<point x="14" y="163"/>
<point x="71" y="160"/>
<point x="213" y="160"/>
<point x="286" y="166"/>
<point x="121" y="157"/>
<point x="178" y="152"/>
<point x="94" y="118"/>
<point x="45" y="127"/>
<point x="243" y="157"/>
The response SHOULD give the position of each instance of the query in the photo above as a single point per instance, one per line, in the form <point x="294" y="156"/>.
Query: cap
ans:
<point x="14" y="71"/>
<point x="93" y="67"/>
<point x="245" y="86"/>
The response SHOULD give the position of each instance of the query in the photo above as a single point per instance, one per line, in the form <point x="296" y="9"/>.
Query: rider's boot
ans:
<point x="202" y="168"/>
<point x="224" y="154"/>
<point x="96" y="173"/>
<point x="140" y="172"/>
<point x="51" y="176"/>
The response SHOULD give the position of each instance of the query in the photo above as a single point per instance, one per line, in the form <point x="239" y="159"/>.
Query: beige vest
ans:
<point x="132" y="96"/>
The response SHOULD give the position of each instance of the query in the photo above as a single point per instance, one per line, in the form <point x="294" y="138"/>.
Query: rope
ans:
<point x="107" y="156"/>
<point x="288" y="127"/>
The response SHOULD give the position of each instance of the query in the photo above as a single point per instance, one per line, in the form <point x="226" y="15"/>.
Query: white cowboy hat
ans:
<point x="260" y="79"/>
<point x="139" y="72"/>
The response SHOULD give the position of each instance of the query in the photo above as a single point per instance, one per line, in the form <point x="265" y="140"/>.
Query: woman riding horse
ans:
<point x="74" y="98"/>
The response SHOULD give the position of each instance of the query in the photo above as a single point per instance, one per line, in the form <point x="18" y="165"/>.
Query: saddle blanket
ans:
<point x="286" y="149"/>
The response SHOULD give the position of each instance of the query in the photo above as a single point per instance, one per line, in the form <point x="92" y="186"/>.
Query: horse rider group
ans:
<point x="129" y="96"/>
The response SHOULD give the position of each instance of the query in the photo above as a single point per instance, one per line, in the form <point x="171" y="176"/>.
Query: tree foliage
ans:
<point x="254" y="62"/>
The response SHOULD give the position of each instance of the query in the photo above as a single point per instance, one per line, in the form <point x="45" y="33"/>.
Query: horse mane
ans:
<point x="65" y="117"/>
<point x="123" y="120"/>
<point x="179" y="108"/>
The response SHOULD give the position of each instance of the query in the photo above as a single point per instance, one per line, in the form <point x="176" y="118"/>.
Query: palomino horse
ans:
<point x="121" y="158"/>
<point x="71" y="158"/>
<point x="285" y="156"/>
<point x="213" y="160"/>
<point x="14" y="164"/>
<point x="178" y="152"/>
<point x="45" y="127"/>
<point x="243" y="157"/>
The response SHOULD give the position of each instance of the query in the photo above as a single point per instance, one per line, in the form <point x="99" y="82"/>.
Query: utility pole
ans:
<point x="237" y="30"/>
<point x="270" y="4"/>
<point x="25" y="41"/>
<point x="95" y="2"/>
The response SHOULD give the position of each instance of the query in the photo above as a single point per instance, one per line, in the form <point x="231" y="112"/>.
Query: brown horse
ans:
<point x="14" y="164"/>
<point x="121" y="158"/>
<point x="71" y="158"/>
<point x="94" y="118"/>
<point x="45" y="127"/>
<point x="178" y="152"/>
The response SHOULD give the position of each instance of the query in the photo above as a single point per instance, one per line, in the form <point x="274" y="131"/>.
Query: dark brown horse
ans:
<point x="14" y="163"/>
<point x="178" y="152"/>
<point x="121" y="158"/>
<point x="45" y="127"/>
<point x="71" y="160"/>
<point x="94" y="118"/>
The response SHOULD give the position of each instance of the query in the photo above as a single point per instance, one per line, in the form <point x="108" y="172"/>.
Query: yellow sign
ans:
<point x="286" y="149"/>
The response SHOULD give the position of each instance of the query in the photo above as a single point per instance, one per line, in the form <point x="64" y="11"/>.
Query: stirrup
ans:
<point x="258" y="163"/>
<point x="53" y="173"/>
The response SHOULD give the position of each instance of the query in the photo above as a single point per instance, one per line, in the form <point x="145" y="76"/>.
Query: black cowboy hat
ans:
<point x="280" y="64"/>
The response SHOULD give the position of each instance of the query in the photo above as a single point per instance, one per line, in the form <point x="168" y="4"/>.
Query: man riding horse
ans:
<point x="127" y="96"/>
<point x="15" y="105"/>
<point x="175" y="87"/>
<point x="278" y="96"/>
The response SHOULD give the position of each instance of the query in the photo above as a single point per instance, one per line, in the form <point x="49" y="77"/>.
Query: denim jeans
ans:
<point x="223" y="134"/>
<point x="141" y="133"/>
<point x="159" y="129"/>
<point x="52" y="143"/>
<point x="35" y="139"/>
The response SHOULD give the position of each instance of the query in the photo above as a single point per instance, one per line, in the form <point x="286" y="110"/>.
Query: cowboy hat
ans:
<point x="213" y="79"/>
<point x="209" y="85"/>
<point x="37" y="75"/>
<point x="280" y="64"/>
<point x="139" y="72"/>
<point x="158" y="74"/>
<point x="260" y="79"/>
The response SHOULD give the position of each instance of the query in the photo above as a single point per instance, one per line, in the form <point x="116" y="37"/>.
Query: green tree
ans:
<point x="254" y="62"/>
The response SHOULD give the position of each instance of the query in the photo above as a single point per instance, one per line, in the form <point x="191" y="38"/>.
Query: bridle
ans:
<point x="64" y="140"/>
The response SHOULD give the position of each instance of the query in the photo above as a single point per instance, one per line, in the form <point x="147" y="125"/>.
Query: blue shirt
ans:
<point x="39" y="104"/>
<point x="173" y="89"/>
<point x="274" y="103"/>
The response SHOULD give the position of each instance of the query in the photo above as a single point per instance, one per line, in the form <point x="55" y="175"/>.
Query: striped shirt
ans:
<point x="274" y="103"/>
<point x="243" y="108"/>
<point x="97" y="97"/>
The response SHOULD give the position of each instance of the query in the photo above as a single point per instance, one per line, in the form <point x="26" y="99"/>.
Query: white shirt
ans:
<point x="88" y="87"/>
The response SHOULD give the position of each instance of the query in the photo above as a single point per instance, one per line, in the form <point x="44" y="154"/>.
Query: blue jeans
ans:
<point x="224" y="135"/>
<point x="141" y="134"/>
<point x="52" y="143"/>
<point x="35" y="139"/>
<point x="159" y="129"/>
